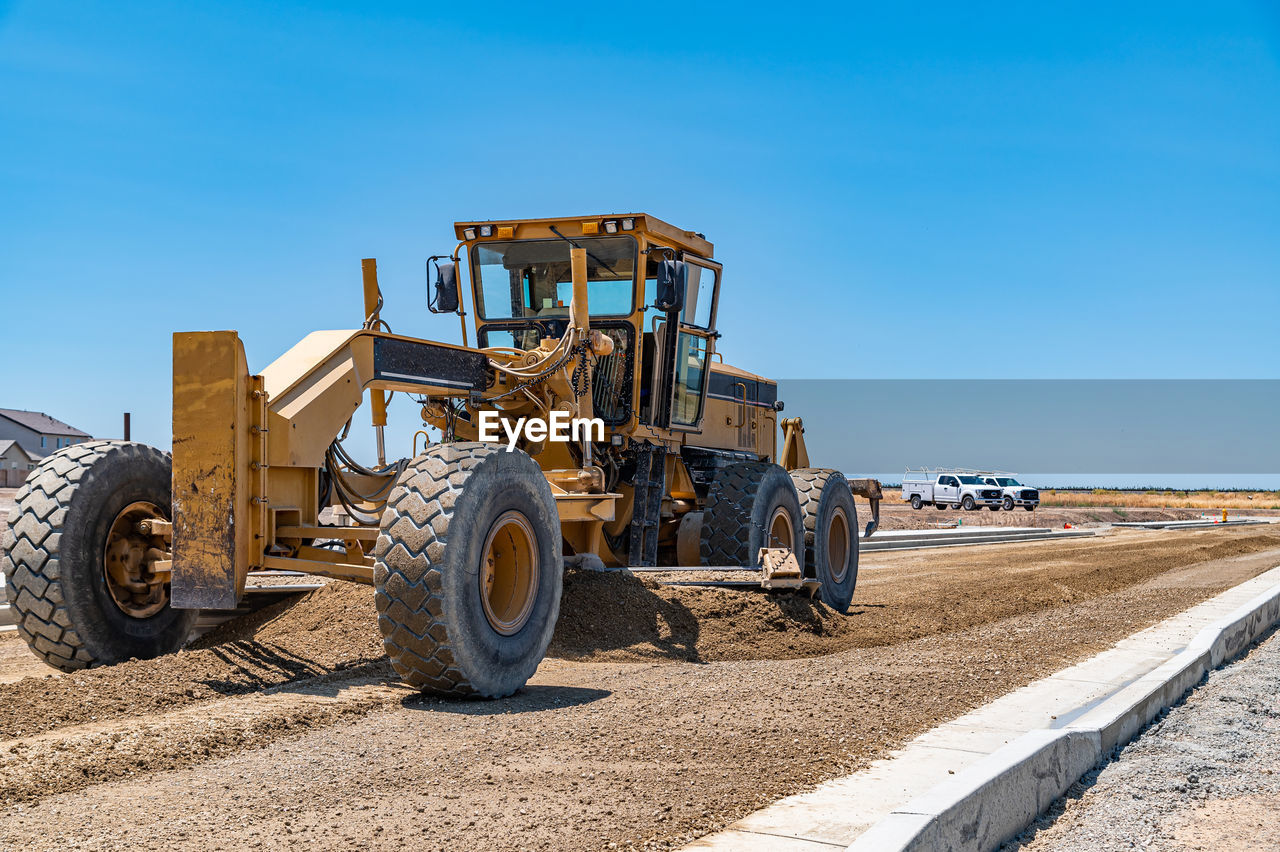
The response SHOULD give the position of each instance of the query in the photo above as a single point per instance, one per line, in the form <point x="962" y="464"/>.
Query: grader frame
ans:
<point x="249" y="449"/>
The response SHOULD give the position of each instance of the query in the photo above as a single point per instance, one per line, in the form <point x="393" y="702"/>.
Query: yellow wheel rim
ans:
<point x="838" y="542"/>
<point x="781" y="533"/>
<point x="509" y="573"/>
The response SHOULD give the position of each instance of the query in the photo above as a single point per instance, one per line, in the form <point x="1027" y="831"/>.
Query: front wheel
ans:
<point x="1029" y="508"/>
<point x="468" y="570"/>
<point x="80" y="564"/>
<point x="1008" y="504"/>
<point x="830" y="533"/>
<point x="916" y="502"/>
<point x="967" y="503"/>
<point x="994" y="508"/>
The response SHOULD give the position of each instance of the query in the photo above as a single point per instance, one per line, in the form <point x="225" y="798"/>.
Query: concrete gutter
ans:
<point x="1014" y="757"/>
<point x="917" y="539"/>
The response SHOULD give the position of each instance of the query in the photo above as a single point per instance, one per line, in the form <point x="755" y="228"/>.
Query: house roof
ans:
<point x="9" y="442"/>
<point x="40" y="422"/>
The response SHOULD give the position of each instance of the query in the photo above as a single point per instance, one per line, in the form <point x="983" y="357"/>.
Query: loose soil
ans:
<point x="662" y="714"/>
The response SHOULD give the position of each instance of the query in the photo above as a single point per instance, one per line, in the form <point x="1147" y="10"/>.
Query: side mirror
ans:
<point x="672" y="278"/>
<point x="445" y="300"/>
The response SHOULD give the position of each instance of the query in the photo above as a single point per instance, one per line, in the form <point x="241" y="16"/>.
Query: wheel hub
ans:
<point x="781" y="533"/>
<point x="509" y="573"/>
<point x="128" y="563"/>
<point x="838" y="543"/>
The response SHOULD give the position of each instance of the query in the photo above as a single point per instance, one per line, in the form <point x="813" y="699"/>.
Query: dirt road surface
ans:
<point x="896" y="515"/>
<point x="663" y="713"/>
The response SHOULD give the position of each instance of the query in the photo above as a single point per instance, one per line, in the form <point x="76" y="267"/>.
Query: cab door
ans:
<point x="686" y="361"/>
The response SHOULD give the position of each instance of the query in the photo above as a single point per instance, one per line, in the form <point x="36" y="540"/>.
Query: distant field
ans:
<point x="1163" y="499"/>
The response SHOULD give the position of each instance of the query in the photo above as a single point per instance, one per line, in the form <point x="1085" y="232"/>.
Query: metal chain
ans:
<point x="623" y="392"/>
<point x="536" y="380"/>
<point x="580" y="373"/>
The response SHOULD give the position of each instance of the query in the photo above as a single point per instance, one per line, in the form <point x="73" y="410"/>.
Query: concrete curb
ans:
<point x="997" y="797"/>
<point x="919" y="539"/>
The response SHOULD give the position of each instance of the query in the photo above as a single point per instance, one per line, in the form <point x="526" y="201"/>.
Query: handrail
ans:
<point x="742" y="412"/>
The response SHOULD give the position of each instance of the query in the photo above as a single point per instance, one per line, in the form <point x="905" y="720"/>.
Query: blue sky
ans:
<point x="1093" y="190"/>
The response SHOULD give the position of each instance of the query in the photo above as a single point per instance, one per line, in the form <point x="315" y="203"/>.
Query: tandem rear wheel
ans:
<point x="830" y="533"/>
<point x="750" y="505"/>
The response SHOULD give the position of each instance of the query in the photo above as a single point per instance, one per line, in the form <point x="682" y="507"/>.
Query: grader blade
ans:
<point x="779" y="569"/>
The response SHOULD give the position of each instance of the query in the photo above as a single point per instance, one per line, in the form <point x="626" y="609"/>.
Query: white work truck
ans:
<point x="941" y="487"/>
<point x="1014" y="492"/>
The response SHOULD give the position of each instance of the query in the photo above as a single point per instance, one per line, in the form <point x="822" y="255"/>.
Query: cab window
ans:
<point x="532" y="278"/>
<point x="691" y="371"/>
<point x="698" y="296"/>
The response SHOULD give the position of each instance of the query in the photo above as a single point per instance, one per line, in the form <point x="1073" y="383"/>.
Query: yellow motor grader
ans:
<point x="614" y="438"/>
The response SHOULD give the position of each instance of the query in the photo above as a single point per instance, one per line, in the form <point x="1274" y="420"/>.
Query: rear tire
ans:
<point x="744" y="510"/>
<point x="55" y="549"/>
<point x="939" y="506"/>
<point x="468" y="570"/>
<point x="830" y="533"/>
<point x="916" y="502"/>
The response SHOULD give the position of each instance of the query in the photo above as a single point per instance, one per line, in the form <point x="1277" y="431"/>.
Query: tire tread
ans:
<point x="728" y="514"/>
<point x="30" y="555"/>
<point x="415" y="531"/>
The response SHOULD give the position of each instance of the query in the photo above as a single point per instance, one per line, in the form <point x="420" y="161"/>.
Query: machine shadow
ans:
<point x="530" y="699"/>
<point x="261" y="665"/>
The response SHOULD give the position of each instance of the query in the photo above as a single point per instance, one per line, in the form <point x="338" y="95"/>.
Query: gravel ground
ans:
<point x="1206" y="776"/>
<point x="662" y="714"/>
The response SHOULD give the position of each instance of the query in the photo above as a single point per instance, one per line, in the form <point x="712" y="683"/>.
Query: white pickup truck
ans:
<point x="943" y="488"/>
<point x="1014" y="492"/>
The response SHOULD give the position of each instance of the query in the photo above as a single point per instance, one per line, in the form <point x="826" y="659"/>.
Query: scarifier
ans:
<point x="115" y="546"/>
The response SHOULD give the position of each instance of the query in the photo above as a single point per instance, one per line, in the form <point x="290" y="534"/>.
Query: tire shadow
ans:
<point x="530" y="699"/>
<point x="252" y="666"/>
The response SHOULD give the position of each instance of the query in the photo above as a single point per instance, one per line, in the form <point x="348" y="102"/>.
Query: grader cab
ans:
<point x="590" y="423"/>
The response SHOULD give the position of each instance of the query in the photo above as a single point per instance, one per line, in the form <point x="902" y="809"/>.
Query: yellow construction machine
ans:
<point x="614" y="438"/>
